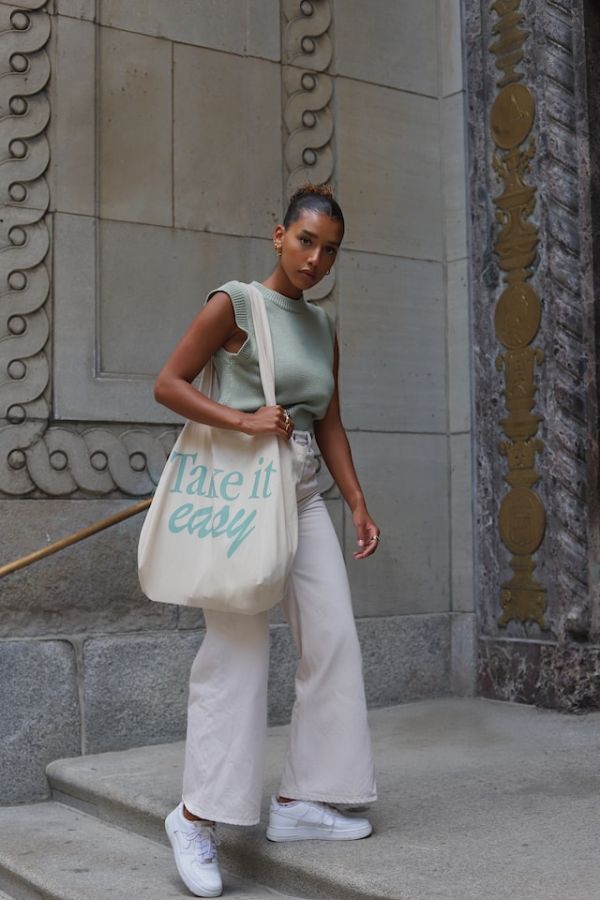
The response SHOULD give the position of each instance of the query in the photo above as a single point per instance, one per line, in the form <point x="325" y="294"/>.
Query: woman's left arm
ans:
<point x="333" y="443"/>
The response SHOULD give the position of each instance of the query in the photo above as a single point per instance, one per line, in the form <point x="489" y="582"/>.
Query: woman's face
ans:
<point x="309" y="247"/>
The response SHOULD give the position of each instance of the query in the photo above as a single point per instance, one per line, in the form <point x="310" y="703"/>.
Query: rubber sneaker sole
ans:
<point x="317" y="833"/>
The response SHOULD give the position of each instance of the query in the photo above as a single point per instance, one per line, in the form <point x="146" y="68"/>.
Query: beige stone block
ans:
<point x="461" y="492"/>
<point x="451" y="47"/>
<point x="91" y="586"/>
<point x="72" y="123"/>
<point x="388" y="42"/>
<point x="459" y="347"/>
<point x="389" y="170"/>
<point x="247" y="27"/>
<point x="76" y="9"/>
<point x="228" y="151"/>
<point x="153" y="281"/>
<point x="135" y="127"/>
<point x="174" y="272"/>
<point x="73" y="314"/>
<point x="392" y="332"/>
<point x="454" y="176"/>
<point x="405" y="481"/>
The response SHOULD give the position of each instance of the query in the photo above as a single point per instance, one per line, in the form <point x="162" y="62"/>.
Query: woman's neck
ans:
<point x="280" y="283"/>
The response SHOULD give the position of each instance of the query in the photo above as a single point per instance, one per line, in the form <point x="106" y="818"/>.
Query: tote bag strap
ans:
<point x="264" y="344"/>
<point x="207" y="381"/>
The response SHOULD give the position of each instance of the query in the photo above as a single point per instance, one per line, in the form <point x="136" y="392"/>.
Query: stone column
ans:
<point x="531" y="166"/>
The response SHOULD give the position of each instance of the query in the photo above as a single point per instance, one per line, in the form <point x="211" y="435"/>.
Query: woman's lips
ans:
<point x="307" y="274"/>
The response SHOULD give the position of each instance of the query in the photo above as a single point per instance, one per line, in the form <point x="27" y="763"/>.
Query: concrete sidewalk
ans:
<point x="479" y="800"/>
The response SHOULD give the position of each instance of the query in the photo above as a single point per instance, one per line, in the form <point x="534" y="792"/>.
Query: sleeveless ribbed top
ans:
<point x="303" y="338"/>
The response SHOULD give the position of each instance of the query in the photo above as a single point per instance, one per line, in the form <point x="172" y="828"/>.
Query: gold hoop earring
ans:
<point x="328" y="271"/>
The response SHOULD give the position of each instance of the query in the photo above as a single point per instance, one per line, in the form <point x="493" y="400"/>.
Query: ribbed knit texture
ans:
<point x="303" y="338"/>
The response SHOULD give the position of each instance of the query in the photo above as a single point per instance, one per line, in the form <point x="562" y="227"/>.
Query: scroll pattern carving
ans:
<point x="309" y="89"/>
<point x="518" y="317"/>
<point x="95" y="461"/>
<point x="36" y="458"/>
<point x="24" y="196"/>
<point x="308" y="118"/>
<point x="307" y="114"/>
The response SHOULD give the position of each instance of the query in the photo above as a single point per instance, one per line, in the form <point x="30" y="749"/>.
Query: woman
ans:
<point x="329" y="757"/>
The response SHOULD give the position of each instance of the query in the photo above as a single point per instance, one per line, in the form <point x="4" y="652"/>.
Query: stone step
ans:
<point x="478" y="799"/>
<point x="135" y="789"/>
<point x="53" y="852"/>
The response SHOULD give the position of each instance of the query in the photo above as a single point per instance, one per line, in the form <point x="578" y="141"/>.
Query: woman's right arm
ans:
<point x="212" y="327"/>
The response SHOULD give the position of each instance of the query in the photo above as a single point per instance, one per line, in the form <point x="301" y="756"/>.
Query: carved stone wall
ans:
<point x="524" y="655"/>
<point x="147" y="152"/>
<point x="36" y="457"/>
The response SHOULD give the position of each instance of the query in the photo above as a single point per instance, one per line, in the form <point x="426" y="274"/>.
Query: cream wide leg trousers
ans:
<point x="329" y="755"/>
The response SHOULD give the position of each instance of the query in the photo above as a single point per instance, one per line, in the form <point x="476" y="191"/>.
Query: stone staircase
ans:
<point x="102" y="837"/>
<point x="478" y="799"/>
<point x="56" y="852"/>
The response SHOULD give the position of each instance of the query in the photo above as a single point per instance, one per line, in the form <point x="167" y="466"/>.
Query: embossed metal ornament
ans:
<point x="518" y="316"/>
<point x="512" y="116"/>
<point x="522" y="518"/>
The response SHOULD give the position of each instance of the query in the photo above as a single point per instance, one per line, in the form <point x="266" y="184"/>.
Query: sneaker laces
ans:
<point x="205" y="841"/>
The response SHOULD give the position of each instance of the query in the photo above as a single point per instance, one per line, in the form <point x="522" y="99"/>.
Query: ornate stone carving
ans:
<point x="307" y="54"/>
<point x="94" y="461"/>
<point x="307" y="114"/>
<point x="35" y="457"/>
<point x="518" y="317"/>
<point x="24" y="196"/>
<point x="556" y="62"/>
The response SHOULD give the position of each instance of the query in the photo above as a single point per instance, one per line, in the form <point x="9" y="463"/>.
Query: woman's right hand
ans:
<point x="269" y="420"/>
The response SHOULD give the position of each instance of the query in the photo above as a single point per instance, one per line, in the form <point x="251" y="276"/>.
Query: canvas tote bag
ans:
<point x="222" y="530"/>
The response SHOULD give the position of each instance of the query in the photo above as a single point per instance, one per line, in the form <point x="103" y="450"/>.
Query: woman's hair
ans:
<point x="316" y="197"/>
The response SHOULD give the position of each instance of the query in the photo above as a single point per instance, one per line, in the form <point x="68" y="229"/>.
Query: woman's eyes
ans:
<point x="331" y="250"/>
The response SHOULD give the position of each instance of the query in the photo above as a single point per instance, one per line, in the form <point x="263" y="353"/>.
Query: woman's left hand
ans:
<point x="367" y="534"/>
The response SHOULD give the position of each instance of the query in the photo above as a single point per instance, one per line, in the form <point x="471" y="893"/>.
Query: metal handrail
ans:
<point x="81" y="535"/>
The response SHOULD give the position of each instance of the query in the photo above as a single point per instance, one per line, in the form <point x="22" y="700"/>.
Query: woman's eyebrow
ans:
<point x="313" y="235"/>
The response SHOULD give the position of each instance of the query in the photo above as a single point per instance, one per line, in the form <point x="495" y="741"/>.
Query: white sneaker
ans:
<point x="195" y="848"/>
<point x="305" y="820"/>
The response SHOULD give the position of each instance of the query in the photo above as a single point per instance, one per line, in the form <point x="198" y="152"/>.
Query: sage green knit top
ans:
<point x="303" y="339"/>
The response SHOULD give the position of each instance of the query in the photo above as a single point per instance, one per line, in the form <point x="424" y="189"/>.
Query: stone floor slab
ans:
<point x="54" y="852"/>
<point x="478" y="799"/>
